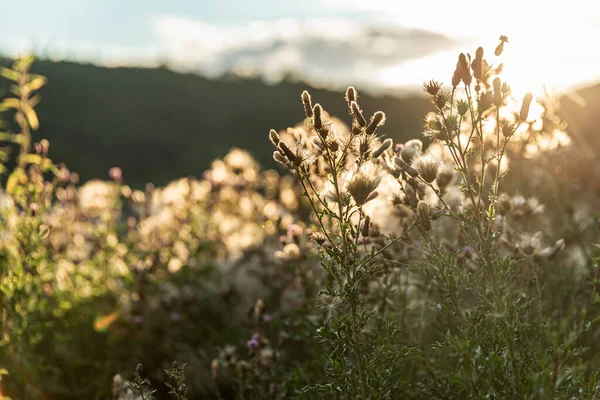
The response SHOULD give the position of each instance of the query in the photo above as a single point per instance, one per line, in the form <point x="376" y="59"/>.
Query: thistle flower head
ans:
<point x="427" y="167"/>
<point x="432" y="87"/>
<point x="462" y="106"/>
<point x="362" y="186"/>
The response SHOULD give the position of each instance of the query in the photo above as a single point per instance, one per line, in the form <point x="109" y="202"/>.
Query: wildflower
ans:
<point x="115" y="174"/>
<point x="387" y="143"/>
<point x="377" y="120"/>
<point x="463" y="69"/>
<point x="139" y="369"/>
<point x="308" y="110"/>
<point x="317" y="117"/>
<point x="477" y="64"/>
<point x="282" y="160"/>
<point x="357" y="114"/>
<point x="427" y="167"/>
<point x="456" y="78"/>
<point x="274" y="137"/>
<point x="350" y="95"/>
<point x="259" y="309"/>
<point x="441" y="99"/>
<point x="432" y="87"/>
<point x="497" y="92"/>
<point x="500" y="47"/>
<point x="318" y="237"/>
<point x="485" y="102"/>
<point x="405" y="166"/>
<point x="252" y="344"/>
<point x="525" y="106"/>
<point x="507" y="129"/>
<point x="215" y="368"/>
<point x="444" y="177"/>
<point x="462" y="107"/>
<point x="411" y="149"/>
<point x="362" y="187"/>
<point x="286" y="151"/>
<point x="365" y="226"/>
<point x="423" y="211"/>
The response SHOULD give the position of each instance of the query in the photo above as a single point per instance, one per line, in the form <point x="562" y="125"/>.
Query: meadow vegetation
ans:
<point x="461" y="263"/>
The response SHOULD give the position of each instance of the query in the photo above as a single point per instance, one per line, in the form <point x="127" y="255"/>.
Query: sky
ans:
<point x="385" y="44"/>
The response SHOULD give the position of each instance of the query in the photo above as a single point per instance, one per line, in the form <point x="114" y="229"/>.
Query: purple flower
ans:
<point x="252" y="344"/>
<point x="267" y="318"/>
<point x="175" y="317"/>
<point x="138" y="319"/>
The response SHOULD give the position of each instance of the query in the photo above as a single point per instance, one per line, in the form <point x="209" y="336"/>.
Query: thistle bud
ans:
<point x="371" y="196"/>
<point x="139" y="369"/>
<point x="287" y="151"/>
<point x="497" y="92"/>
<point x="507" y="130"/>
<point x="477" y="68"/>
<point x="274" y="137"/>
<point x="479" y="53"/>
<point x="281" y="159"/>
<point x="411" y="149"/>
<point x="387" y="143"/>
<point x="377" y="120"/>
<point x="456" y="78"/>
<point x="462" y="107"/>
<point x="308" y="110"/>
<point x="351" y="94"/>
<point x="365" y="226"/>
<point x="500" y="47"/>
<point x="525" y="106"/>
<point x="215" y="368"/>
<point x="357" y="114"/>
<point x="444" y="177"/>
<point x="259" y="309"/>
<point x="423" y="211"/>
<point x="407" y="168"/>
<point x="318" y="121"/>
<point x="411" y="196"/>
<point x="463" y="68"/>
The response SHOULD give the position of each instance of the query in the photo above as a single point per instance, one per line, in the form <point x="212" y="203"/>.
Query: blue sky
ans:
<point x="334" y="42"/>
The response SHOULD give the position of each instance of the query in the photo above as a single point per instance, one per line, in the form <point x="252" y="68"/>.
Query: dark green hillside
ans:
<point x="159" y="125"/>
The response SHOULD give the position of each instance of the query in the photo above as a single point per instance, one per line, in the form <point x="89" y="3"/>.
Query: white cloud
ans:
<point x="325" y="51"/>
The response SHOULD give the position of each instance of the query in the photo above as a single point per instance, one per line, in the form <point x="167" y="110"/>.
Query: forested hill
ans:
<point x="158" y="125"/>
